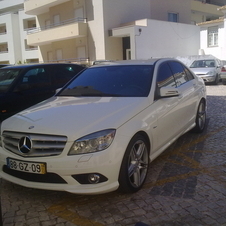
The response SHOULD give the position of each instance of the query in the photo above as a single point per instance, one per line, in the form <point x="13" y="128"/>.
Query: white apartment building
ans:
<point x="14" y="24"/>
<point x="88" y="30"/>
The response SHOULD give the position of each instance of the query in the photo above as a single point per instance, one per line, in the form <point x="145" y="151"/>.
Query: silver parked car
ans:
<point x="208" y="69"/>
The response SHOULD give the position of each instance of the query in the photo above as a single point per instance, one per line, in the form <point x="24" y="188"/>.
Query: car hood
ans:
<point x="76" y="116"/>
<point x="202" y="70"/>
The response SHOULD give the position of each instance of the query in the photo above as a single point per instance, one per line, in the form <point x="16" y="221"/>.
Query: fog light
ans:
<point x="90" y="178"/>
<point x="94" y="178"/>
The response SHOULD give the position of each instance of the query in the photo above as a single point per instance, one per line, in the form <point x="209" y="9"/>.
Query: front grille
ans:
<point x="41" y="145"/>
<point x="44" y="178"/>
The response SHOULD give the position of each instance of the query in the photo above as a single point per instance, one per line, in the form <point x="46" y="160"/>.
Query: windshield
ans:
<point x="123" y="81"/>
<point x="203" y="63"/>
<point x="7" y="76"/>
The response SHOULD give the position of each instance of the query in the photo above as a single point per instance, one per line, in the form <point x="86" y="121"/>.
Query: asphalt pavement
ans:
<point x="186" y="186"/>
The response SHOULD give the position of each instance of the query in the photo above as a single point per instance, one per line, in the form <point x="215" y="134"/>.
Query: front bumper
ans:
<point x="208" y="78"/>
<point x="62" y="171"/>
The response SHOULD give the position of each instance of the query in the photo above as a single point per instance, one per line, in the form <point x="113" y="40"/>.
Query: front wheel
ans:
<point x="134" y="166"/>
<point x="200" y="117"/>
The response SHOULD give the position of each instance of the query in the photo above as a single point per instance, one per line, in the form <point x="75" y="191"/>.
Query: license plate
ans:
<point x="24" y="166"/>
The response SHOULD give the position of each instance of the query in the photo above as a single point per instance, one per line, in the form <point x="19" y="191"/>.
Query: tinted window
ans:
<point x="188" y="73"/>
<point x="64" y="73"/>
<point x="179" y="73"/>
<point x="165" y="76"/>
<point x="34" y="78"/>
<point x="126" y="81"/>
<point x="7" y="76"/>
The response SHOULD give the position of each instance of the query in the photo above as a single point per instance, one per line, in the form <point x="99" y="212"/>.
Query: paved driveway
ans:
<point x="186" y="186"/>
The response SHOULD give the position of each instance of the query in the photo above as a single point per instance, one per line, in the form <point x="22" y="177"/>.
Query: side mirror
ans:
<point x="169" y="92"/>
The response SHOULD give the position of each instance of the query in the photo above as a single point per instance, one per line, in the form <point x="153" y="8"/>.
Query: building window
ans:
<point x="213" y="36"/>
<point x="173" y="17"/>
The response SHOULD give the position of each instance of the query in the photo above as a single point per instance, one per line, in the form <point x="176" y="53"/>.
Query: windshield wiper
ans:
<point x="86" y="91"/>
<point x="81" y="91"/>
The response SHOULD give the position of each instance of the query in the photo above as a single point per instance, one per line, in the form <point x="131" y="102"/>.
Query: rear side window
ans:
<point x="190" y="76"/>
<point x="34" y="78"/>
<point x="7" y="76"/>
<point x="165" y="76"/>
<point x="179" y="73"/>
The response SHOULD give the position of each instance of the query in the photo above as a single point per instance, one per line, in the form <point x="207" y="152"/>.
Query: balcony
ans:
<point x="69" y="29"/>
<point x="36" y="7"/>
<point x="205" y="8"/>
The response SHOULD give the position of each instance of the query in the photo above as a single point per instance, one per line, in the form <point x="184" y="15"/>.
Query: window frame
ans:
<point x="212" y="36"/>
<point x="172" y="15"/>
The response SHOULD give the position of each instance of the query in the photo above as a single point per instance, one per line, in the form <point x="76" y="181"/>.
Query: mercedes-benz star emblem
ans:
<point x="25" y="144"/>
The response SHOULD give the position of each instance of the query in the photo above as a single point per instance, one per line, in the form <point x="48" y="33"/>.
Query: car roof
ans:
<point x="22" y="66"/>
<point x="204" y="59"/>
<point x="133" y="62"/>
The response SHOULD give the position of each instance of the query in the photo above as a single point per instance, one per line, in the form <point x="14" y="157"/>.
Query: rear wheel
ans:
<point x="200" y="117"/>
<point x="134" y="166"/>
<point x="224" y="82"/>
<point x="216" y="82"/>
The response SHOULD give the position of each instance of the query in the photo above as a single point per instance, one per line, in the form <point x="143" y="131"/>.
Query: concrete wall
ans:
<point x="163" y="39"/>
<point x="27" y="55"/>
<point x="96" y="38"/>
<point x="12" y="38"/>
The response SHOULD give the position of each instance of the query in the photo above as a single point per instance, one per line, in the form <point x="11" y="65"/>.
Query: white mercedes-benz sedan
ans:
<point x="100" y="132"/>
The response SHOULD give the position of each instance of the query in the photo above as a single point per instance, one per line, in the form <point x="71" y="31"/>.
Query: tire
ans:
<point x="200" y="117"/>
<point x="223" y="82"/>
<point x="216" y="82"/>
<point x="134" y="166"/>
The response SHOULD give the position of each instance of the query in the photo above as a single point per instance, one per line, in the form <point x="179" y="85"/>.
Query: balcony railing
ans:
<point x="30" y="49"/>
<point x="212" y="2"/>
<point x="65" y="22"/>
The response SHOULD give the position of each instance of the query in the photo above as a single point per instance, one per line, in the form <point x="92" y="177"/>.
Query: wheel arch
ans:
<point x="145" y="135"/>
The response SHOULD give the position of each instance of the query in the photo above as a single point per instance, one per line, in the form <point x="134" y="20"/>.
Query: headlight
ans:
<point x="210" y="73"/>
<point x="93" y="142"/>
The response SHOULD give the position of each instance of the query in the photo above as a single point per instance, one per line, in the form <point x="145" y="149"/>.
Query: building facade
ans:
<point x="83" y="31"/>
<point x="14" y="24"/>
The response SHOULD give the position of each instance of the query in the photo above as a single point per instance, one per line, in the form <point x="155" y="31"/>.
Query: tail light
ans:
<point x="223" y="69"/>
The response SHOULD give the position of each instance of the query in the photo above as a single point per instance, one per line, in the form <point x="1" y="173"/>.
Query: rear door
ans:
<point x="186" y="85"/>
<point x="166" y="108"/>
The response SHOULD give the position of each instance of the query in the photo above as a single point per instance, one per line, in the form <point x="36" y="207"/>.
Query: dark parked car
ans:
<point x="22" y="86"/>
